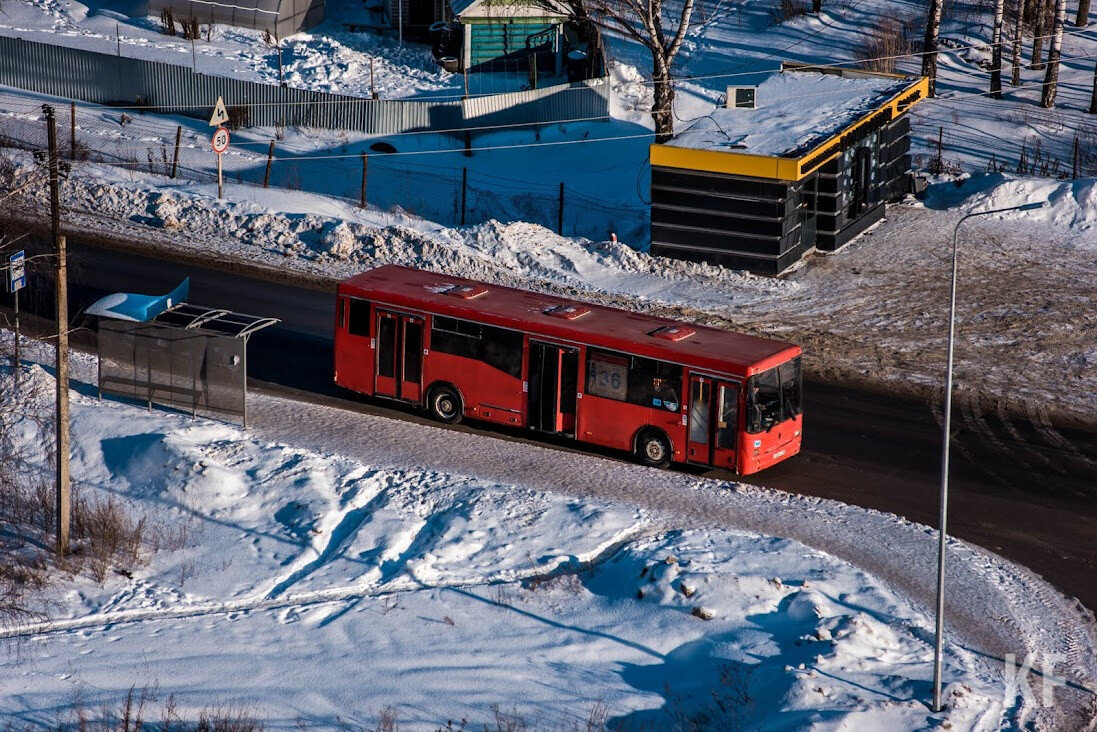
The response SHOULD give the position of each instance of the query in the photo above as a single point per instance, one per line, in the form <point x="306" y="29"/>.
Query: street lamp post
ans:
<point x="939" y="635"/>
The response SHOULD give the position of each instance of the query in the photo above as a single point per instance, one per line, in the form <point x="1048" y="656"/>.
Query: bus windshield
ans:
<point x="774" y="396"/>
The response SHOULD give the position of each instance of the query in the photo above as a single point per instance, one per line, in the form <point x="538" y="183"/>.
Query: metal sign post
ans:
<point x="220" y="144"/>
<point x="17" y="280"/>
<point x="220" y="137"/>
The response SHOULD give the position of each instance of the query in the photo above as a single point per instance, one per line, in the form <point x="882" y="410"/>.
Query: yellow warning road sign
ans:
<point x="220" y="114"/>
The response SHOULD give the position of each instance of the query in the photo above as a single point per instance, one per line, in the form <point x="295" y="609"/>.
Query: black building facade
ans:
<point x="763" y="213"/>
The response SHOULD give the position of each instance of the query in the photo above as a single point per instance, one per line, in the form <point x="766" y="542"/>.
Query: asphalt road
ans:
<point x="1024" y="489"/>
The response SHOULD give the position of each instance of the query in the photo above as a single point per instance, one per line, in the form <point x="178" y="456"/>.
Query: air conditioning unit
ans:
<point x="742" y="97"/>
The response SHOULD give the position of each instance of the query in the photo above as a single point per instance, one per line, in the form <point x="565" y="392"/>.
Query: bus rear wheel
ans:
<point x="653" y="449"/>
<point x="445" y="404"/>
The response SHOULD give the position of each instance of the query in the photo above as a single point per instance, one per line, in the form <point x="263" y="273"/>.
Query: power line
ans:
<point x="554" y="143"/>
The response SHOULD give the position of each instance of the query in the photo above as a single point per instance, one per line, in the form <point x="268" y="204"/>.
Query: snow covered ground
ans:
<point x="327" y="59"/>
<point x="319" y="589"/>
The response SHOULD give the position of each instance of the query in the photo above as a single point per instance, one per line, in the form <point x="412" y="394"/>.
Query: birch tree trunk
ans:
<point x="642" y="21"/>
<point x="929" y="47"/>
<point x="1036" y="63"/>
<point x="996" y="50"/>
<point x="1018" y="27"/>
<point x="662" y="108"/>
<point x="1082" y="19"/>
<point x="1093" y="99"/>
<point x="1051" y="79"/>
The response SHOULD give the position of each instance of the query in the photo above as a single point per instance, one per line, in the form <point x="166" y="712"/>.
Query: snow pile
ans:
<point x="441" y="595"/>
<point x="1072" y="205"/>
<point x="329" y="236"/>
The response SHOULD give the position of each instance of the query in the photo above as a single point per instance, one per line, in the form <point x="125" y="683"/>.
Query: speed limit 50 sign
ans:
<point x="220" y="140"/>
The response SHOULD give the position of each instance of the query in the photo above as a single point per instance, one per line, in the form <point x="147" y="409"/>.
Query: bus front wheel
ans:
<point x="653" y="448"/>
<point x="445" y="404"/>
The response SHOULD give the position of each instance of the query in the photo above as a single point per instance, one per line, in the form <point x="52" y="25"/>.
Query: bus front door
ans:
<point x="399" y="356"/>
<point x="713" y="422"/>
<point x="553" y="383"/>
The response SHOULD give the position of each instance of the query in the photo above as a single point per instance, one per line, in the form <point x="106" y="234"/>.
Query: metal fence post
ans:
<point x="270" y="159"/>
<point x="175" y="159"/>
<point x="364" y="164"/>
<point x="244" y="361"/>
<point x="464" y="193"/>
<point x="560" y="213"/>
<point x="193" y="379"/>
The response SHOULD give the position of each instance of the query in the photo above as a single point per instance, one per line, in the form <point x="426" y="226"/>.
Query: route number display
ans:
<point x="220" y="140"/>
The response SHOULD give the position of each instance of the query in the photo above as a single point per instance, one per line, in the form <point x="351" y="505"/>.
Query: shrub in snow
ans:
<point x="702" y="612"/>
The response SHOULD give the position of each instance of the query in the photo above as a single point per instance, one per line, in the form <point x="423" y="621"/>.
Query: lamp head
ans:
<point x="1033" y="206"/>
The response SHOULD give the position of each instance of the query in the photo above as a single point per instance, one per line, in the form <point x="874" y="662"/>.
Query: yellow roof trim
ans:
<point x="775" y="167"/>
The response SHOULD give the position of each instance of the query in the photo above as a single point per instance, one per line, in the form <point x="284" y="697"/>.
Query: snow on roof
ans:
<point x="796" y="112"/>
<point x="715" y="349"/>
<point x="507" y="9"/>
<point x="138" y="308"/>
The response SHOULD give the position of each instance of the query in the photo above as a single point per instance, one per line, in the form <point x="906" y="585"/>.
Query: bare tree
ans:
<point x="1093" y="98"/>
<point x="1038" y="31"/>
<point x="648" y="22"/>
<point x="1018" y="27"/>
<point x="1082" y="19"/>
<point x="996" y="50"/>
<point x="929" y="47"/>
<point x="1051" y="79"/>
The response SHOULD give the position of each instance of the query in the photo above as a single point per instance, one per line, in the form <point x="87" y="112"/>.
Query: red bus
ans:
<point x="661" y="389"/>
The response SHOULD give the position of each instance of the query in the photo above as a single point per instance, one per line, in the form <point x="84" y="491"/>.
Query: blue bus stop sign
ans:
<point x="17" y="273"/>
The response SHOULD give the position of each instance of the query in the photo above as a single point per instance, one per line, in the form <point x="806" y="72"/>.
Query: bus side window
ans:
<point x="359" y="318"/>
<point x="654" y="384"/>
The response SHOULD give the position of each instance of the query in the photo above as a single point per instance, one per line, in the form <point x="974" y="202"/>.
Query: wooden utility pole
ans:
<point x="61" y="347"/>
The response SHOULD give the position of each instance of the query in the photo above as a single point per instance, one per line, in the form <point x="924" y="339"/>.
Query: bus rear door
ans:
<point x="553" y="384"/>
<point x="399" y="356"/>
<point x="713" y="421"/>
<point x="354" y="350"/>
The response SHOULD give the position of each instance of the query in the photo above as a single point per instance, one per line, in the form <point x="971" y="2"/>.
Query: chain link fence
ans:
<point x="138" y="144"/>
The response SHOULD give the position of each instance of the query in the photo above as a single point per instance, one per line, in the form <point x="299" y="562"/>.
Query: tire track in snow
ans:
<point x="338" y="538"/>
<point x="318" y="597"/>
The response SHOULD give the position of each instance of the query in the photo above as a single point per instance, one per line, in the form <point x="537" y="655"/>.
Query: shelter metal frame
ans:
<point x="183" y="323"/>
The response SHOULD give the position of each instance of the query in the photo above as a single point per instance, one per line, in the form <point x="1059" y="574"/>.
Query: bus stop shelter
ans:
<point x="185" y="356"/>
